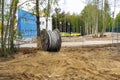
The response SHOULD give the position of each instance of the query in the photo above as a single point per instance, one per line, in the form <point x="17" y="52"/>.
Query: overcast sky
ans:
<point x="76" y="6"/>
<point x="72" y="6"/>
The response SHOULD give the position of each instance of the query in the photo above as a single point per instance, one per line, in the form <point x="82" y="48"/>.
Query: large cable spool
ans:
<point x="51" y="40"/>
<point x="58" y="44"/>
<point x="44" y="40"/>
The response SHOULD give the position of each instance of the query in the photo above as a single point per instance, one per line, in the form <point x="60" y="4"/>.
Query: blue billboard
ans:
<point x="27" y="24"/>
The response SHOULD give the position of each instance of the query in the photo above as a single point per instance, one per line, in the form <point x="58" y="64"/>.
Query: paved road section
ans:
<point x="78" y="43"/>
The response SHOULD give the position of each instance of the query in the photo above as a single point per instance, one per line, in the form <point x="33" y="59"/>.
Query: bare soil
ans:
<point x="71" y="63"/>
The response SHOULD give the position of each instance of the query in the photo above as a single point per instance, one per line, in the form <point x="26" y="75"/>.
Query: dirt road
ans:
<point x="71" y="63"/>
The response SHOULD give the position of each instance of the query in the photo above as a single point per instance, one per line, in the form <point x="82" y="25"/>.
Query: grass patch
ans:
<point x="68" y="34"/>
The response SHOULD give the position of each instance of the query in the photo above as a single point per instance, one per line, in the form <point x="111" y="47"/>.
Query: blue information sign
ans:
<point x="27" y="24"/>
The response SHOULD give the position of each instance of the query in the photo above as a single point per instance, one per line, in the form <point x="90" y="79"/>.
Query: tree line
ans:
<point x="95" y="18"/>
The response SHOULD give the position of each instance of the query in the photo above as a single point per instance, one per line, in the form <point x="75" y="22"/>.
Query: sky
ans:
<point x="72" y="6"/>
<point x="76" y="6"/>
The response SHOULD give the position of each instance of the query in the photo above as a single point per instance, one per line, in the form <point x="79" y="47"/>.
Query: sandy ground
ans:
<point x="75" y="61"/>
<point x="71" y="63"/>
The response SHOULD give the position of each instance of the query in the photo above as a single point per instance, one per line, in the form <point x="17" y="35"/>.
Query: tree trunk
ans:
<point x="104" y="17"/>
<point x="38" y="25"/>
<point x="8" y="24"/>
<point x="3" y="48"/>
<point x="96" y="17"/>
<point x="48" y="13"/>
<point x="14" y="6"/>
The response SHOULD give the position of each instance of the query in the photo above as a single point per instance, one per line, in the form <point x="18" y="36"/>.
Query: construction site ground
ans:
<point x="78" y="62"/>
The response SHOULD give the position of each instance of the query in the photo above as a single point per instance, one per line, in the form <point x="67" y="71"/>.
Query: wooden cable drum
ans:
<point x="58" y="44"/>
<point x="51" y="40"/>
<point x="44" y="40"/>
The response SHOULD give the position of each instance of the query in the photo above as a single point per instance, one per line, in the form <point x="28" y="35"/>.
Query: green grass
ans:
<point x="68" y="34"/>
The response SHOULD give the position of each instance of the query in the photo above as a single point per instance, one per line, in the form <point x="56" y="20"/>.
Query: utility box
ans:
<point x="43" y="23"/>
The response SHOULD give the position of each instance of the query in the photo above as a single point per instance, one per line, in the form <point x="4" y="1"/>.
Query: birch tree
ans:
<point x="105" y="13"/>
<point x="7" y="32"/>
